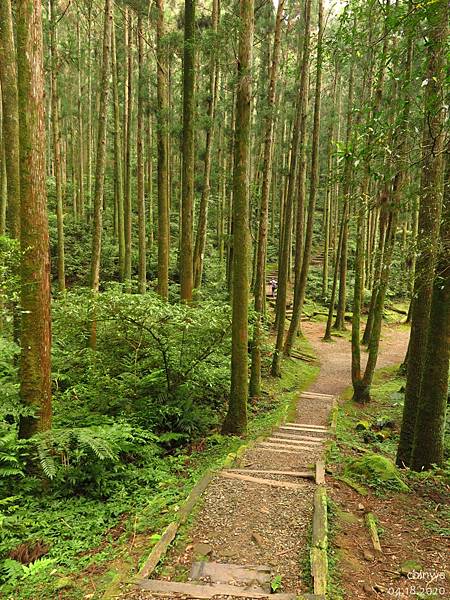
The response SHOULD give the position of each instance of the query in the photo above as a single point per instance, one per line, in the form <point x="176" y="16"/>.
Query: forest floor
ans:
<point x="246" y="523"/>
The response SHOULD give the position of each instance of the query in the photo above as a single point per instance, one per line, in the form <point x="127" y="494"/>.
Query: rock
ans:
<point x="257" y="538"/>
<point x="361" y="507"/>
<point x="377" y="468"/>
<point x="410" y="565"/>
<point x="362" y="426"/>
<point x="63" y="583"/>
<point x="202" y="549"/>
<point x="368" y="556"/>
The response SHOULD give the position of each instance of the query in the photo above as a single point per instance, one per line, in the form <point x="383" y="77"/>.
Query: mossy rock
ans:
<point x="410" y="565"/>
<point x="377" y="470"/>
<point x="362" y="426"/>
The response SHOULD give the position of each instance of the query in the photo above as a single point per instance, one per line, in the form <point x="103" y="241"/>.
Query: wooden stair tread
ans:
<point x="200" y="591"/>
<point x="291" y="448"/>
<point x="231" y="574"/>
<point x="261" y="480"/>
<point x="295" y="430"/>
<point x="278" y="451"/>
<point x="303" y="474"/>
<point x="296" y="443"/>
<point x="293" y="437"/>
<point x="318" y="427"/>
<point x="317" y="395"/>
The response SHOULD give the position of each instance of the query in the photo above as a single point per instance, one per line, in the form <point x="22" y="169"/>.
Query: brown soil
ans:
<point x="363" y="574"/>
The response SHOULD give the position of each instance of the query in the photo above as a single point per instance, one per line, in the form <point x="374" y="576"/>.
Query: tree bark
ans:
<point x="142" y="265"/>
<point x="99" y="183"/>
<point x="200" y="240"/>
<point x="10" y="121"/>
<point x="429" y="219"/>
<point x="57" y="147"/>
<point x="255" y="375"/>
<point x="163" y="156"/>
<point x="236" y="419"/>
<point x="118" y="167"/>
<point x="428" y="445"/>
<point x="35" y="357"/>
<point x="302" y="273"/>
<point x="187" y="206"/>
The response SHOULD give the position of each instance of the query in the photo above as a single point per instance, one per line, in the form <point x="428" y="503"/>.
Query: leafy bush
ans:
<point x="163" y="367"/>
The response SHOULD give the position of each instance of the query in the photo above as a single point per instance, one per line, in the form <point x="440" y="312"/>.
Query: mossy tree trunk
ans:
<point x="188" y="151"/>
<point x="429" y="220"/>
<point x="260" y="287"/>
<point x="163" y="155"/>
<point x="99" y="183"/>
<point x="236" y="418"/>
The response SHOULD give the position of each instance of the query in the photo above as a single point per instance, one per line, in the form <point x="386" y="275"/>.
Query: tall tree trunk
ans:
<point x="101" y="164"/>
<point x="187" y="206"/>
<point x="283" y="268"/>
<point x="200" y="240"/>
<point x="260" y="288"/>
<point x="329" y="189"/>
<point x="346" y="190"/>
<point x="57" y="147"/>
<point x="236" y="418"/>
<point x="10" y="121"/>
<point x="142" y="270"/>
<point x="128" y="211"/>
<point x="163" y="156"/>
<point x="327" y="334"/>
<point x="35" y="361"/>
<point x="80" y="126"/>
<point x="428" y="445"/>
<point x="429" y="219"/>
<point x="118" y="168"/>
<point x="302" y="274"/>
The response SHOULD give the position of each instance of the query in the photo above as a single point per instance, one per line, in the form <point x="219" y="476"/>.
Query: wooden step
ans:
<point x="286" y="428"/>
<point x="318" y="427"/>
<point x="282" y="435"/>
<point x="316" y="395"/>
<point x="260" y="480"/>
<point x="291" y="448"/>
<point x="299" y="443"/>
<point x="247" y="575"/>
<point x="303" y="474"/>
<point x="278" y="451"/>
<point x="194" y="590"/>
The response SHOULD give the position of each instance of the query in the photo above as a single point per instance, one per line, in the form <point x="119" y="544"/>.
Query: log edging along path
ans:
<point x="160" y="548"/>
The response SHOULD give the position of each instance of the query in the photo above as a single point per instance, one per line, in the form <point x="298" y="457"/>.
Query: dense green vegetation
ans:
<point x="181" y="186"/>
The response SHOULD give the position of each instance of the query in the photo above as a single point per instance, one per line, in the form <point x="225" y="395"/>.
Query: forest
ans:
<point x="208" y="208"/>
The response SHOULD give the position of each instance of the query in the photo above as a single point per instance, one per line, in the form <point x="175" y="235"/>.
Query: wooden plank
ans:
<point x="296" y="430"/>
<point x="287" y="447"/>
<point x="304" y="474"/>
<point x="319" y="542"/>
<point x="272" y="482"/>
<point x="195" y="494"/>
<point x="317" y="395"/>
<point x="372" y="525"/>
<point x="159" y="549"/>
<point x="226" y="573"/>
<point x="320" y="472"/>
<point x="295" y="443"/>
<point x="276" y="451"/>
<point x="300" y="425"/>
<point x="192" y="590"/>
<point x="295" y="437"/>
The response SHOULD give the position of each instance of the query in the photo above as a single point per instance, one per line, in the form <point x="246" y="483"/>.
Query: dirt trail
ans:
<point x="335" y="356"/>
